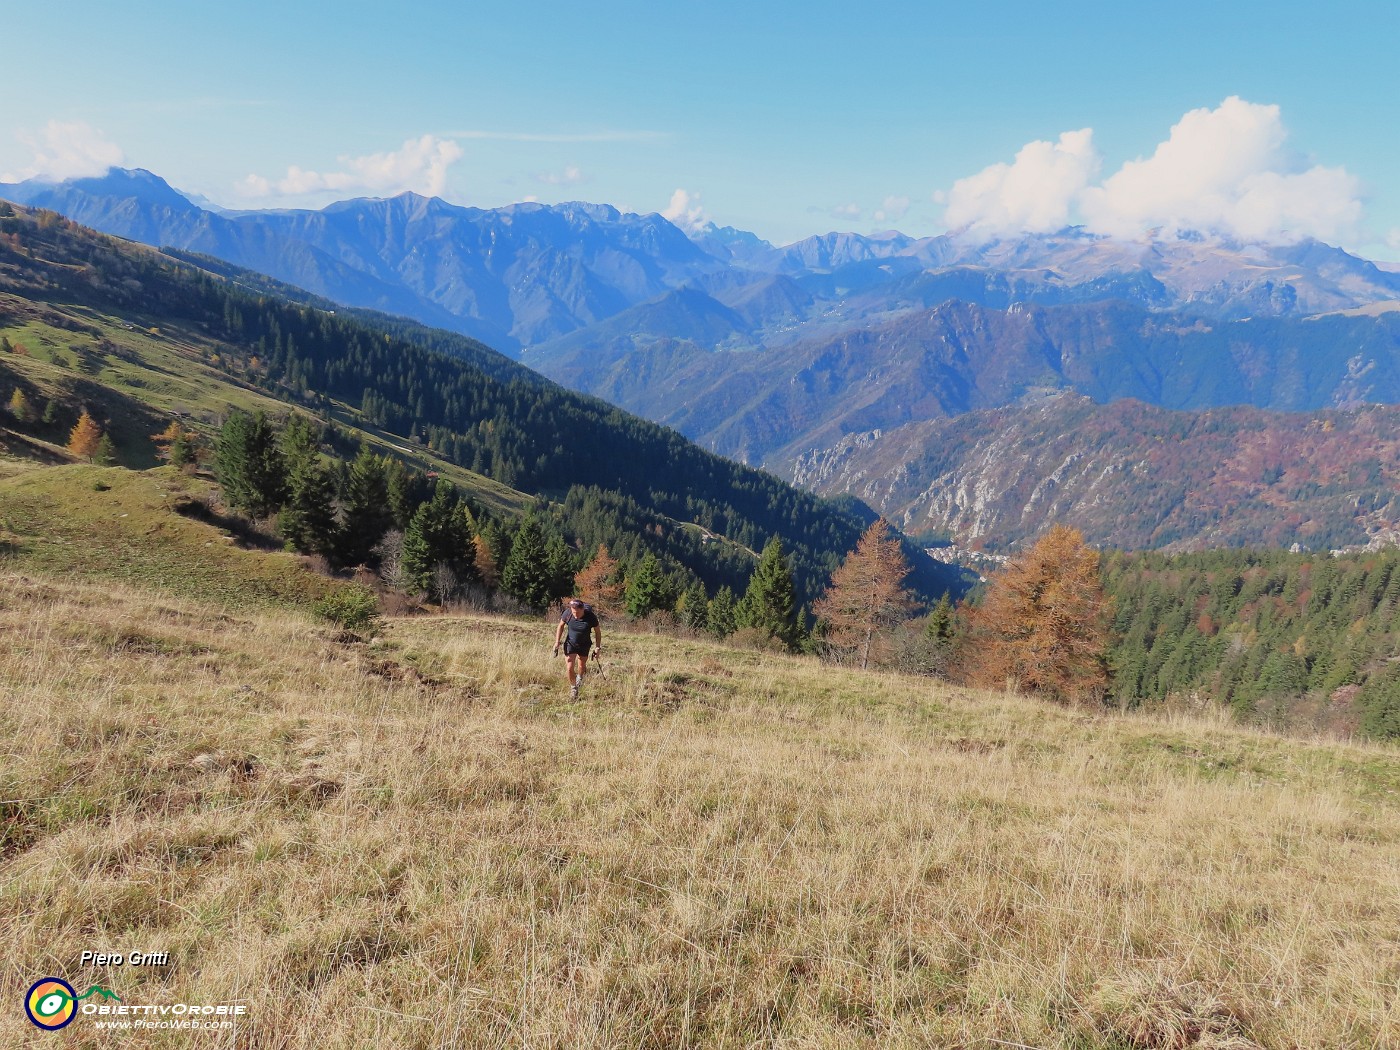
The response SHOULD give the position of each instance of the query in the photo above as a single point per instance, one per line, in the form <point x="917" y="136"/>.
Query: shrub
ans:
<point x="353" y="607"/>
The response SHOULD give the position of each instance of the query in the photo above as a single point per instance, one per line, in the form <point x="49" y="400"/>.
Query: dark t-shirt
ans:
<point x="578" y="628"/>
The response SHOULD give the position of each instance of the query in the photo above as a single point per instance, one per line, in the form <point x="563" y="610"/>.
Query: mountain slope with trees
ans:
<point x="418" y="389"/>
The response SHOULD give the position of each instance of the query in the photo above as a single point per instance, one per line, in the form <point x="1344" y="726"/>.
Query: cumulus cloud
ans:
<point x="419" y="165"/>
<point x="847" y="211"/>
<point x="67" y="150"/>
<point x="685" y="210"/>
<point x="570" y="176"/>
<point x="1035" y="193"/>
<point x="1225" y="171"/>
<point x="892" y="209"/>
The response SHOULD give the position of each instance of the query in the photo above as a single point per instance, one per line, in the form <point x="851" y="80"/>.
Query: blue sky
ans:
<point x="783" y="118"/>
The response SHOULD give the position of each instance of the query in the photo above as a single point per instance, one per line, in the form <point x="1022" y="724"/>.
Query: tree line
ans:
<point x="1269" y="633"/>
<point x="422" y="536"/>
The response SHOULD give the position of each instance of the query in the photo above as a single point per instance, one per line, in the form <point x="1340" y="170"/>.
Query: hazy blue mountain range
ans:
<point x="775" y="405"/>
<point x="520" y="276"/>
<point x="510" y="277"/>
<point x="840" y="360"/>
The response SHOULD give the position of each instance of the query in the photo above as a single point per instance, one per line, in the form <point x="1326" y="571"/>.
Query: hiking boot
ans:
<point x="573" y="692"/>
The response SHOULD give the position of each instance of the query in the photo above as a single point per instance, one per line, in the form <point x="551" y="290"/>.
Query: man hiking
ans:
<point x="579" y="619"/>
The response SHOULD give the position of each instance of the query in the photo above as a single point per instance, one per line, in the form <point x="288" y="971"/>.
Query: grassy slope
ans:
<point x="419" y="842"/>
<point x="157" y="372"/>
<point x="82" y="521"/>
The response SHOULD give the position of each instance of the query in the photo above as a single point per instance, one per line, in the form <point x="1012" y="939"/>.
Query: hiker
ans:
<point x="578" y="619"/>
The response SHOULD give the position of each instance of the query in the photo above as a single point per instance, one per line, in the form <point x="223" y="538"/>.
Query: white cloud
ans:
<point x="847" y="211"/>
<point x="67" y="150"/>
<point x="1223" y="171"/>
<point x="685" y="210"/>
<point x="892" y="209"/>
<point x="419" y="165"/>
<point x="570" y="176"/>
<point x="1226" y="171"/>
<point x="1393" y="238"/>
<point x="586" y="136"/>
<point x="1035" y="193"/>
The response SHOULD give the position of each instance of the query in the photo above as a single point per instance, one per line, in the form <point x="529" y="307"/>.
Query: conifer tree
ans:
<point x="249" y="465"/>
<point x="365" y="508"/>
<point x="694" y="608"/>
<point x="406" y="490"/>
<point x="440" y="538"/>
<point x="866" y="597"/>
<point x="486" y="566"/>
<point x="525" y="576"/>
<point x="105" y="455"/>
<point x="175" y="444"/>
<point x="561" y="563"/>
<point x="85" y="436"/>
<point x="184" y="450"/>
<point x="942" y="622"/>
<point x="498" y="541"/>
<point x="307" y="518"/>
<point x="1043" y="624"/>
<point x="770" y="603"/>
<point x="720" y="613"/>
<point x="646" y="588"/>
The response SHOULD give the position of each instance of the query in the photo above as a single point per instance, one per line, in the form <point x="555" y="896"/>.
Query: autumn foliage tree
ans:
<point x="866" y="597"/>
<point x="85" y="437"/>
<point x="1043" y="625"/>
<point x="176" y="444"/>
<point x="597" y="583"/>
<point x="19" y="406"/>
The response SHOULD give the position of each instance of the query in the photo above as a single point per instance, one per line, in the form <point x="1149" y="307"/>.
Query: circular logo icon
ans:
<point x="51" y="1003"/>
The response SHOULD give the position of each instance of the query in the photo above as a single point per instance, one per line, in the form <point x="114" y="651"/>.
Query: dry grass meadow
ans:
<point x="418" y="841"/>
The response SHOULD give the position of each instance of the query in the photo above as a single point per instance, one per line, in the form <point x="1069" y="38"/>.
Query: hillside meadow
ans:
<point x="417" y="840"/>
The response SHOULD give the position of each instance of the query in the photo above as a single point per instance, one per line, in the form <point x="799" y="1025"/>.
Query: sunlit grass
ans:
<point x="421" y="841"/>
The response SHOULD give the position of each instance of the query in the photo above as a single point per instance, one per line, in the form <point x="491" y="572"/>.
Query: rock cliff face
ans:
<point x="1129" y="475"/>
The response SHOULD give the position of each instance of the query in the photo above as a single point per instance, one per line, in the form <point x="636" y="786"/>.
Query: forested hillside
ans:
<point x="437" y="391"/>
<point x="1275" y="635"/>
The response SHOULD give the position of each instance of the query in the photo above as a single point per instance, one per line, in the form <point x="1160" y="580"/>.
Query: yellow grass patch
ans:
<point x="423" y="842"/>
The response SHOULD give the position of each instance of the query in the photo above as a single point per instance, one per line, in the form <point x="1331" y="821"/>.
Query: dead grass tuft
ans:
<point x="1150" y="1012"/>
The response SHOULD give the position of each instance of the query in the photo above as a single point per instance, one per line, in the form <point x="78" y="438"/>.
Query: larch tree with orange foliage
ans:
<point x="597" y="583"/>
<point x="866" y="597"/>
<point x="1043" y="625"/>
<point x="486" y="563"/>
<point x="85" y="437"/>
<point x="176" y="445"/>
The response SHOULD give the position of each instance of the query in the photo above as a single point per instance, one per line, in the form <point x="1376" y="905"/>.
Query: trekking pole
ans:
<point x="598" y="663"/>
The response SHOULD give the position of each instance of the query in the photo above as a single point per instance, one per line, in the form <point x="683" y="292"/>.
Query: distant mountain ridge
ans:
<point x="773" y="406"/>
<point x="840" y="360"/>
<point x="510" y="276"/>
<point x="520" y="276"/>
